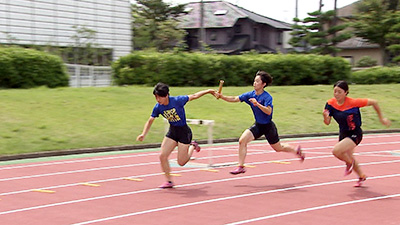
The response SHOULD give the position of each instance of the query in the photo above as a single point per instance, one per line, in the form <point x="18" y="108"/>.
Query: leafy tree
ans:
<point x="378" y="22"/>
<point x="155" y="24"/>
<point x="319" y="33"/>
<point x="393" y="37"/>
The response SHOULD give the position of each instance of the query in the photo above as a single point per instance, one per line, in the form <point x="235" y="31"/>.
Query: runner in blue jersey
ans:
<point x="346" y="112"/>
<point x="179" y="133"/>
<point x="260" y="102"/>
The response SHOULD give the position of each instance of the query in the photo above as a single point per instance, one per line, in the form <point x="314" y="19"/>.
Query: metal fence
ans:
<point x="89" y="76"/>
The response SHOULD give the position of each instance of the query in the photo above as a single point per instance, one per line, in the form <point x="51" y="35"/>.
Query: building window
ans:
<point x="255" y="34"/>
<point x="238" y="29"/>
<point x="220" y="12"/>
<point x="213" y="35"/>
<point x="279" y="38"/>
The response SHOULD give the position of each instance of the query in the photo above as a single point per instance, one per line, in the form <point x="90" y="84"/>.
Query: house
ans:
<point x="230" y="29"/>
<point x="355" y="48"/>
<point x="54" y="23"/>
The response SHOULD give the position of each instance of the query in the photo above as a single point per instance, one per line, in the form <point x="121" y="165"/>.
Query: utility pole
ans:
<point x="202" y="31"/>
<point x="335" y="18"/>
<point x="320" y="5"/>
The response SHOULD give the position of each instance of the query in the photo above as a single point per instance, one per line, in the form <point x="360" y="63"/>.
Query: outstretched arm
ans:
<point x="145" y="129"/>
<point x="227" y="98"/>
<point x="383" y="120"/>
<point x="200" y="93"/>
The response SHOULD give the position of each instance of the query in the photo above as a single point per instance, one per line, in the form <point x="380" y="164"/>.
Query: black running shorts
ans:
<point x="181" y="134"/>
<point x="355" y="135"/>
<point x="269" y="130"/>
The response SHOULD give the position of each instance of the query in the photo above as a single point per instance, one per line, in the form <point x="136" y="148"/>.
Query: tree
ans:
<point x="319" y="33"/>
<point x="393" y="38"/>
<point x="155" y="24"/>
<point x="377" y="22"/>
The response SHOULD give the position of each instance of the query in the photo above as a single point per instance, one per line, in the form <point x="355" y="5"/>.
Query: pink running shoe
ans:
<point x="349" y="168"/>
<point x="360" y="181"/>
<point x="196" y="146"/>
<point x="167" y="184"/>
<point x="300" y="153"/>
<point x="239" y="169"/>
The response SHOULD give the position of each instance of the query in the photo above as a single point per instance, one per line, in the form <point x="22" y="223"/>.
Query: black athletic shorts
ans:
<point x="269" y="130"/>
<point x="181" y="134"/>
<point x="355" y="135"/>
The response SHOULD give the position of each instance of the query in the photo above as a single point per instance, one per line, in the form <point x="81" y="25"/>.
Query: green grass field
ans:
<point x="42" y="119"/>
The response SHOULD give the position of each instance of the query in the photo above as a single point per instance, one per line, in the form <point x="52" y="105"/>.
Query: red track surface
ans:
<point x="278" y="190"/>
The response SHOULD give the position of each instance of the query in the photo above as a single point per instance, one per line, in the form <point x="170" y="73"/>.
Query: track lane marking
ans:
<point x="209" y="147"/>
<point x="226" y="198"/>
<point x="198" y="183"/>
<point x="315" y="208"/>
<point x="155" y="174"/>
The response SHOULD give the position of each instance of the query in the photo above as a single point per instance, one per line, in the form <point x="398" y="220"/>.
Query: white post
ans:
<point x="78" y="76"/>
<point x="210" y="142"/>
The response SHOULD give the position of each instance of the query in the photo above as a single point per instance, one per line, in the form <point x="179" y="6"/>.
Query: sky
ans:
<point x="283" y="10"/>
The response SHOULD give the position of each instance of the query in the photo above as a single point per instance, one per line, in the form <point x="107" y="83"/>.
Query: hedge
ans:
<point x="376" y="75"/>
<point x="27" y="68"/>
<point x="198" y="69"/>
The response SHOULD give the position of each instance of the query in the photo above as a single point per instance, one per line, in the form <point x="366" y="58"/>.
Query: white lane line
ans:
<point x="315" y="208"/>
<point x="195" y="184"/>
<point x="152" y="153"/>
<point x="152" y="163"/>
<point x="224" y="199"/>
<point x="138" y="176"/>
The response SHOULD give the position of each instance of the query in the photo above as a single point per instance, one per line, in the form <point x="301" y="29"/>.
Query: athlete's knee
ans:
<point x="182" y="162"/>
<point x="163" y="156"/>
<point x="278" y="147"/>
<point x="336" y="152"/>
<point x="243" y="141"/>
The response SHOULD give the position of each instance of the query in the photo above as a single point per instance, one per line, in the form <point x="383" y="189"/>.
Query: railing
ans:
<point x="89" y="76"/>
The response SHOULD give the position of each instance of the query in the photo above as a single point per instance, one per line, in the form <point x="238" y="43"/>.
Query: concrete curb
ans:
<point x="157" y="145"/>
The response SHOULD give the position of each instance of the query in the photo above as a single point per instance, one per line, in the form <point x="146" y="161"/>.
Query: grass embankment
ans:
<point x="42" y="119"/>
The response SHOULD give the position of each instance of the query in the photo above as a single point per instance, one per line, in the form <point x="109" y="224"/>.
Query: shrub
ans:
<point x="197" y="69"/>
<point x="377" y="75"/>
<point x="26" y="68"/>
<point x="366" y="61"/>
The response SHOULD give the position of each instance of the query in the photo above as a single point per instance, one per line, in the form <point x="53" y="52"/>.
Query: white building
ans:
<point x="50" y="22"/>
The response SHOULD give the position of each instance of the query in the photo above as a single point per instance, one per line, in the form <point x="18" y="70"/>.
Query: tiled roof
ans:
<point x="347" y="10"/>
<point x="229" y="14"/>
<point x="356" y="43"/>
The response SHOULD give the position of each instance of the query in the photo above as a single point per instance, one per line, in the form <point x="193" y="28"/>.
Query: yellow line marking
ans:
<point x="249" y="166"/>
<point x="280" y="162"/>
<point x="175" y="174"/>
<point x="91" y="185"/>
<point x="43" y="191"/>
<point x="133" y="179"/>
<point x="211" y="170"/>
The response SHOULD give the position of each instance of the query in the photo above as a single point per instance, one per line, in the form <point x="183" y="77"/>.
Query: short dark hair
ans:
<point x="343" y="85"/>
<point x="265" y="77"/>
<point x="161" y="90"/>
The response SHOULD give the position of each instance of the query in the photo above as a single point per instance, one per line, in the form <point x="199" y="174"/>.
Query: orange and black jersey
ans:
<point x="348" y="114"/>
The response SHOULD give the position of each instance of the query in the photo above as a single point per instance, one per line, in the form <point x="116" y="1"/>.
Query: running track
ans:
<point x="276" y="189"/>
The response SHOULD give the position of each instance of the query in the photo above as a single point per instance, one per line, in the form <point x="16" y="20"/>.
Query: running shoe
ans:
<point x="195" y="145"/>
<point x="349" y="168"/>
<point x="360" y="181"/>
<point x="239" y="169"/>
<point x="300" y="153"/>
<point x="167" y="184"/>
